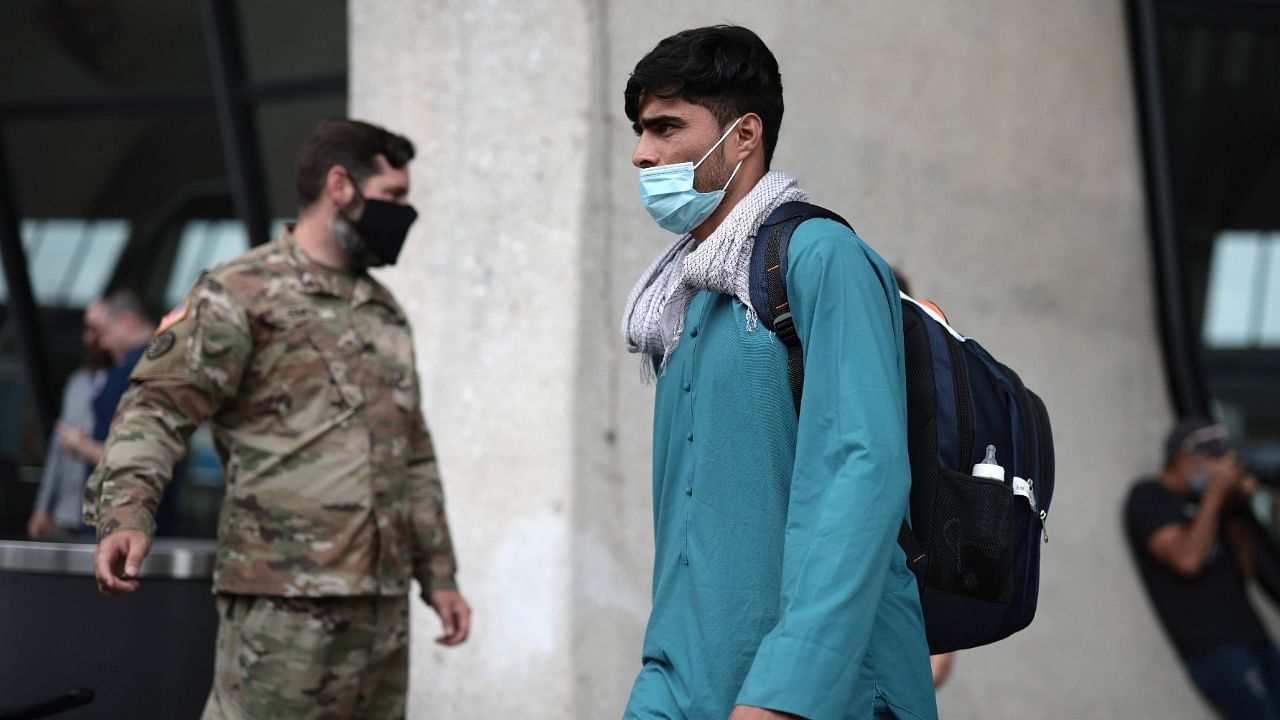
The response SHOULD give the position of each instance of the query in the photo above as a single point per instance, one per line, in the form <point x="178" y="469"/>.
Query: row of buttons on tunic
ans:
<point x="688" y="489"/>
<point x="688" y="387"/>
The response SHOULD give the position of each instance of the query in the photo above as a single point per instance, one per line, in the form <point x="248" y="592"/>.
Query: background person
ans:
<point x="1195" y="557"/>
<point x="123" y="327"/>
<point x="61" y="494"/>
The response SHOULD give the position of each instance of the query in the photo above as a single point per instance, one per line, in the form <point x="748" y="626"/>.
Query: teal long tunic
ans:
<point x="778" y="581"/>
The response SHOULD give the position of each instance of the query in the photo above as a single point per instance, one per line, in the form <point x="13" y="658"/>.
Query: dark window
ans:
<point x="1209" y="78"/>
<point x="140" y="141"/>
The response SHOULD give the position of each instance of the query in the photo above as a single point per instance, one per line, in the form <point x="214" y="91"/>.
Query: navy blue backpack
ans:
<point x="973" y="543"/>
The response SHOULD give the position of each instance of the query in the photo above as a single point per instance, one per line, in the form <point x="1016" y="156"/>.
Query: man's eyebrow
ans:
<point x="648" y="122"/>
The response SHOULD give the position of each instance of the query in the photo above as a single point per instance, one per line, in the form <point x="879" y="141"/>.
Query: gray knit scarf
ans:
<point x="654" y="316"/>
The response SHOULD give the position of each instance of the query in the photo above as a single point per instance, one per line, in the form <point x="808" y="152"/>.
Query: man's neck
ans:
<point x="316" y="238"/>
<point x="741" y="186"/>
<point x="135" y="342"/>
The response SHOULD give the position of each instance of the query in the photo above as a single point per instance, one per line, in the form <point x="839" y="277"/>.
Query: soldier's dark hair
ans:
<point x="351" y="144"/>
<point x="126" y="301"/>
<point x="724" y="68"/>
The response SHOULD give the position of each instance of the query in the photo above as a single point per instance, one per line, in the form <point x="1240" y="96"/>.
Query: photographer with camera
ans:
<point x="1192" y="548"/>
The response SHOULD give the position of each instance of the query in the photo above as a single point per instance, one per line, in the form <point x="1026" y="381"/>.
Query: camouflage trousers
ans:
<point x="314" y="658"/>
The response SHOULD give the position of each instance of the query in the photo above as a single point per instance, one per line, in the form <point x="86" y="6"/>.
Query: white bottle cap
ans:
<point x="988" y="468"/>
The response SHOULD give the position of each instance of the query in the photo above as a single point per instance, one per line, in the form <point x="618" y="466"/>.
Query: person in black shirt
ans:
<point x="1194" y="555"/>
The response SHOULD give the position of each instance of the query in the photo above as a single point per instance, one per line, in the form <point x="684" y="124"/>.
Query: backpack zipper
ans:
<point x="964" y="413"/>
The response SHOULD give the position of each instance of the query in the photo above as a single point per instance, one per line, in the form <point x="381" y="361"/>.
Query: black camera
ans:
<point x="1263" y="464"/>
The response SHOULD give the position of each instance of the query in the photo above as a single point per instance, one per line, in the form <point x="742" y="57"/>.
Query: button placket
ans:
<point x="691" y="336"/>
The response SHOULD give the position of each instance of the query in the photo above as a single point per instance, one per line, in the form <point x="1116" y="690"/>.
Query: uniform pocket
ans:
<point x="335" y="365"/>
<point x="396" y="369"/>
<point x="299" y="374"/>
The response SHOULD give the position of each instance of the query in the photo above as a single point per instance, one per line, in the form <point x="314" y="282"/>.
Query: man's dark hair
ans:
<point x="724" y="68"/>
<point x="352" y="144"/>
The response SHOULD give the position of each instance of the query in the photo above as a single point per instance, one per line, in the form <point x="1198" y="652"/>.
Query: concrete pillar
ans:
<point x="498" y="98"/>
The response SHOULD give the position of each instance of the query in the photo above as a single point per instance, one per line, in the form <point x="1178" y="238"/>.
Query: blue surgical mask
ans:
<point x="668" y="195"/>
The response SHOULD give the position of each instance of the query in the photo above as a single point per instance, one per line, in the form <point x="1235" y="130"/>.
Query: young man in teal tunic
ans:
<point x="779" y="590"/>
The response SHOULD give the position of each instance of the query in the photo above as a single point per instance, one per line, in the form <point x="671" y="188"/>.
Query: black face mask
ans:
<point x="382" y="227"/>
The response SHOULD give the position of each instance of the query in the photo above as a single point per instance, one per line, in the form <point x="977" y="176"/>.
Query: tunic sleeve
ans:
<point x="850" y="481"/>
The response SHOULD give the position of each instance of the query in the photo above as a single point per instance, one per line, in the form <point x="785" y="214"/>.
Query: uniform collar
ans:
<point x="316" y="279"/>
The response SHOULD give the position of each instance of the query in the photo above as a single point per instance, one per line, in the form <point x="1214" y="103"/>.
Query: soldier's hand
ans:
<point x="117" y="559"/>
<point x="454" y="614"/>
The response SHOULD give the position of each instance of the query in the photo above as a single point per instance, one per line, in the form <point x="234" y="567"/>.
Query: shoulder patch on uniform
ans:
<point x="174" y="317"/>
<point x="160" y="344"/>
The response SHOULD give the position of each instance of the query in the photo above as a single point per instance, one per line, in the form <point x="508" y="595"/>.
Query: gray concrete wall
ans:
<point x="490" y="278"/>
<point x="988" y="148"/>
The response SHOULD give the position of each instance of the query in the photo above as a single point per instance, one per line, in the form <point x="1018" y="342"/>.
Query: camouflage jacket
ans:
<point x="307" y="377"/>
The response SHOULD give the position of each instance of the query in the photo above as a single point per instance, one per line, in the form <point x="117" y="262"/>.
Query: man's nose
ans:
<point x="644" y="155"/>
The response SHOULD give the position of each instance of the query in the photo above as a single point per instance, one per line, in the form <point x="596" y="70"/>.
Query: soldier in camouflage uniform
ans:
<point x="304" y="366"/>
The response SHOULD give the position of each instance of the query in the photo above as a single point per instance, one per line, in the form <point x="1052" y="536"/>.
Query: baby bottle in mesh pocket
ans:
<point x="989" y="468"/>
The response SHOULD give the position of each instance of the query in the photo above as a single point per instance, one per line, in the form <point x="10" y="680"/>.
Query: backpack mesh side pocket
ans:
<point x="970" y="542"/>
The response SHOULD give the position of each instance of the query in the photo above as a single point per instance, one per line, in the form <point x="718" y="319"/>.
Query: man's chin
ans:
<point x="360" y="258"/>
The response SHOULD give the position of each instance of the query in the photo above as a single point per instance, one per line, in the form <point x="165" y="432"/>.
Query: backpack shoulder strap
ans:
<point x="769" y="280"/>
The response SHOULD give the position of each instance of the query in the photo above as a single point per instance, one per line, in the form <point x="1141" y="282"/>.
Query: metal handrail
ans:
<point x="186" y="559"/>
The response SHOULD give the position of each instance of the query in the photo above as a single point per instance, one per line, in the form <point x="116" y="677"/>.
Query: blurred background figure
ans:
<point x="1189" y="534"/>
<point x="58" y="502"/>
<point x="123" y="327"/>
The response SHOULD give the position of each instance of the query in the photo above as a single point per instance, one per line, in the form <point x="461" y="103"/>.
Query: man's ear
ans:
<point x="338" y="186"/>
<point x="748" y="136"/>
